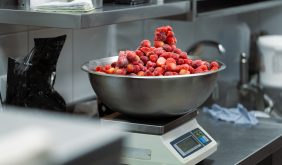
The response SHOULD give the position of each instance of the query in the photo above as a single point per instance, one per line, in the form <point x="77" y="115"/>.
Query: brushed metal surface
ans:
<point x="109" y="14"/>
<point x="151" y="96"/>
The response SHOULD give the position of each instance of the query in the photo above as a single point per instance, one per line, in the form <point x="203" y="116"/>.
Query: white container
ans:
<point x="271" y="51"/>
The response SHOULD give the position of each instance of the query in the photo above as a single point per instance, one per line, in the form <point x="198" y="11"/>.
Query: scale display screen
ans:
<point x="190" y="142"/>
<point x="187" y="144"/>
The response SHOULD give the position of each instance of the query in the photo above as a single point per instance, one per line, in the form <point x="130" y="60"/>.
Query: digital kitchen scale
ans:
<point x="171" y="141"/>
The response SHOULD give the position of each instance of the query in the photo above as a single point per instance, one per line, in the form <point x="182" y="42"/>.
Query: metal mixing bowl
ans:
<point x="144" y="96"/>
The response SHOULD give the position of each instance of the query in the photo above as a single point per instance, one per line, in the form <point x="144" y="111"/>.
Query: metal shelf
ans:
<point x="232" y="10"/>
<point x="109" y="14"/>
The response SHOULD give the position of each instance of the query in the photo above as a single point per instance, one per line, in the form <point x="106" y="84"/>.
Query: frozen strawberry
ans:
<point x="171" y="40"/>
<point x="141" y="73"/>
<point x="214" y="68"/>
<point x="110" y="70"/>
<point x="183" y="55"/>
<point x="148" y="73"/>
<point x="98" y="69"/>
<point x="180" y="61"/>
<point x="158" y="44"/>
<point x="130" y="68"/>
<point x="197" y="63"/>
<point x="145" y="59"/>
<point x="139" y="53"/>
<point x="150" y="64"/>
<point x="107" y="67"/>
<point x="184" y="71"/>
<point x="145" y="50"/>
<point x="153" y="58"/>
<point x="114" y="64"/>
<point x="208" y="65"/>
<point x="122" y="61"/>
<point x="175" y="56"/>
<point x="167" y="48"/>
<point x="158" y="71"/>
<point x="177" y="51"/>
<point x="169" y="28"/>
<point x="214" y="64"/>
<point x="151" y="69"/>
<point x="170" y="60"/>
<point x="168" y="73"/>
<point x="166" y="55"/>
<point x="175" y="73"/>
<point x="188" y="61"/>
<point x="185" y="66"/>
<point x="120" y="71"/>
<point x="170" y="34"/>
<point x="137" y="68"/>
<point x="132" y="56"/>
<point x="170" y="67"/>
<point x="145" y="43"/>
<point x="161" y="61"/>
<point x="159" y="51"/>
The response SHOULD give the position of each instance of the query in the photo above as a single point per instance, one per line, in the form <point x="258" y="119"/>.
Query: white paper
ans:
<point x="63" y="5"/>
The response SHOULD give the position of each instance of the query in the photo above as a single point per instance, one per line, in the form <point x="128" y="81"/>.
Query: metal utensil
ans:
<point x="151" y="96"/>
<point x="197" y="48"/>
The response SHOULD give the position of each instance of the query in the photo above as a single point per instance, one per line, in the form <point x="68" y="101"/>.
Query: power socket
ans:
<point x="3" y="85"/>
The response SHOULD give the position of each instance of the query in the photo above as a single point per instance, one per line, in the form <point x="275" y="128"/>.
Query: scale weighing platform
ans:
<point x="172" y="141"/>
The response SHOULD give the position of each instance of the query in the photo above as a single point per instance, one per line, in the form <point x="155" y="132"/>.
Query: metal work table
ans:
<point x="241" y="144"/>
<point x="109" y="14"/>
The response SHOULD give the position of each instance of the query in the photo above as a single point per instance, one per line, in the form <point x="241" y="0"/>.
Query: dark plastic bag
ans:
<point x="30" y="79"/>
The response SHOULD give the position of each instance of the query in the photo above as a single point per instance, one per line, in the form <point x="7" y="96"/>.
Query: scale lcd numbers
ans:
<point x="190" y="142"/>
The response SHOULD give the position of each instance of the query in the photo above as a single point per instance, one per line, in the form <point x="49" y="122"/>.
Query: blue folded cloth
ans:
<point x="239" y="115"/>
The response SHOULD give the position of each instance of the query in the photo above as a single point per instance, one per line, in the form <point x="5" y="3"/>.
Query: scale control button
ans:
<point x="204" y="139"/>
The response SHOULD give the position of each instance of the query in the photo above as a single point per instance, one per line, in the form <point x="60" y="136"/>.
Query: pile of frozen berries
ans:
<point x="162" y="59"/>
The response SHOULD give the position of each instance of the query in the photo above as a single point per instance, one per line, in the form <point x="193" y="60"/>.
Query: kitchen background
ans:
<point x="82" y="45"/>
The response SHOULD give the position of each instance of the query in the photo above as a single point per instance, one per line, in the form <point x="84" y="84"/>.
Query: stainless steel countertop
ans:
<point x="241" y="144"/>
<point x="109" y="14"/>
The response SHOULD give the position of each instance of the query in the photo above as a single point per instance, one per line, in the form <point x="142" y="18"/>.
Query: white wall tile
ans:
<point x="64" y="84"/>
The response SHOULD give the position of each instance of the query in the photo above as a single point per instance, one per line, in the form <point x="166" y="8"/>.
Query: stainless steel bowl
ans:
<point x="144" y="96"/>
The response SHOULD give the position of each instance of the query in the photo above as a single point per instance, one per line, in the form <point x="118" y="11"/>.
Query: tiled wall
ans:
<point x="87" y="44"/>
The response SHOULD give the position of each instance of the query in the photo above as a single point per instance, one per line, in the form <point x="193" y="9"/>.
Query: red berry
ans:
<point x="120" y="71"/>
<point x="148" y="73"/>
<point x="145" y="59"/>
<point x="110" y="70"/>
<point x="122" y="61"/>
<point x="150" y="64"/>
<point x="153" y="58"/>
<point x="158" y="44"/>
<point x="141" y="73"/>
<point x="114" y="64"/>
<point x="98" y="69"/>
<point x="137" y="68"/>
<point x="139" y="53"/>
<point x="183" y="55"/>
<point x="131" y="56"/>
<point x="166" y="55"/>
<point x="170" y="67"/>
<point x="184" y="71"/>
<point x="145" y="50"/>
<point x="188" y="61"/>
<point x="159" y="51"/>
<point x="171" y="40"/>
<point x="177" y="51"/>
<point x="167" y="48"/>
<point x="170" y="34"/>
<point x="175" y="56"/>
<point x="180" y="61"/>
<point x="130" y="68"/>
<point x="168" y="73"/>
<point x="161" y="61"/>
<point x="214" y="68"/>
<point x="158" y="71"/>
<point x="214" y="64"/>
<point x="170" y="60"/>
<point x="145" y="43"/>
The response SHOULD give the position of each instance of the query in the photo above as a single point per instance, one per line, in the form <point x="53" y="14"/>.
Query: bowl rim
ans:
<point x="85" y="66"/>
